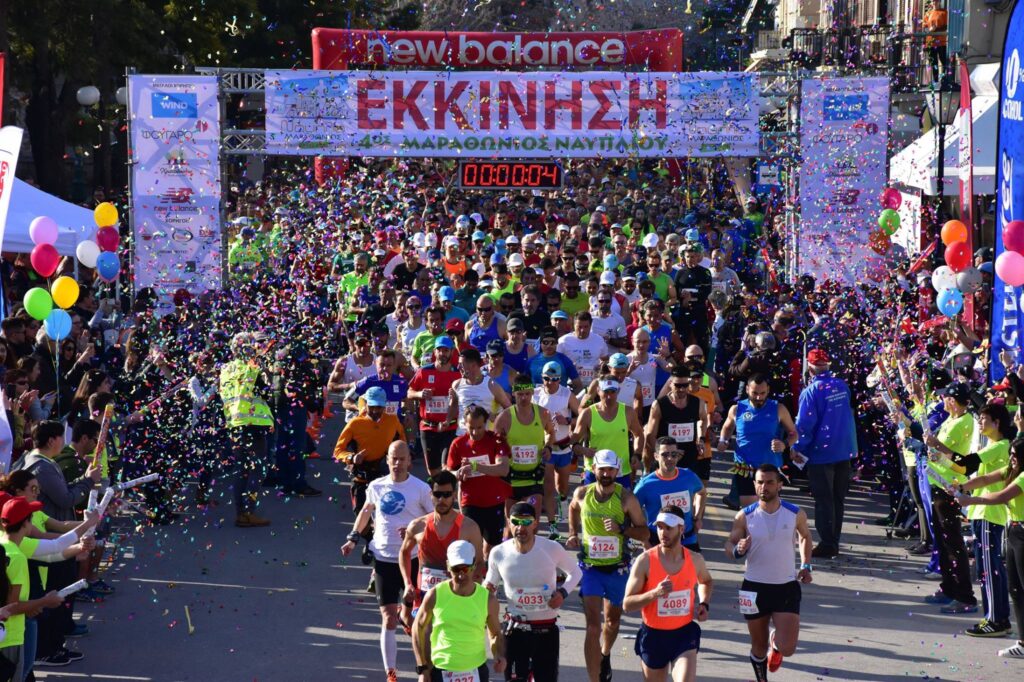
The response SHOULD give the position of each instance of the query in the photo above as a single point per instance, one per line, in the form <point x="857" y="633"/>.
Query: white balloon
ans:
<point x="968" y="281"/>
<point x="87" y="252"/>
<point x="943" y="278"/>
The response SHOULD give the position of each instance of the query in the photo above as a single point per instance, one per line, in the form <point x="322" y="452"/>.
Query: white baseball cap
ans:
<point x="512" y="239"/>
<point x="515" y="259"/>
<point x="602" y="459"/>
<point x="461" y="553"/>
<point x="608" y="278"/>
<point x="651" y="241"/>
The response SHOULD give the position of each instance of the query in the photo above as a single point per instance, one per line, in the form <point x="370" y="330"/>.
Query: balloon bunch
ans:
<point x="957" y="277"/>
<point x="63" y="291"/>
<point x="101" y="253"/>
<point x="1010" y="264"/>
<point x="888" y="222"/>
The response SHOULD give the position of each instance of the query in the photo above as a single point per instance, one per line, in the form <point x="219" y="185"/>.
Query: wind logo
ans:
<point x="175" y="105"/>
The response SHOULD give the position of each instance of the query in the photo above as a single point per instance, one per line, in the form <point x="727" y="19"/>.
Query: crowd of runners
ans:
<point x="534" y="387"/>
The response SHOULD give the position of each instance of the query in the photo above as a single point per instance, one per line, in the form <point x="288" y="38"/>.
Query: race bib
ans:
<point x="680" y="499"/>
<point x="530" y="600"/>
<point x="681" y="433"/>
<point x="748" y="603"/>
<point x="524" y="454"/>
<point x="587" y="374"/>
<point x="604" y="547"/>
<point x="468" y="676"/>
<point x="479" y="459"/>
<point x="675" y="604"/>
<point x="646" y="392"/>
<point x="431" y="577"/>
<point x="437" y="405"/>
<point x="392" y="407"/>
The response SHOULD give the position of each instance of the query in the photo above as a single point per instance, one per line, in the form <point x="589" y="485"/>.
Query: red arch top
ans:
<point x="657" y="50"/>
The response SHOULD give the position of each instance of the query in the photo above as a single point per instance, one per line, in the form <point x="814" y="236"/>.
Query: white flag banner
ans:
<point x="547" y="114"/>
<point x="175" y="126"/>
<point x="10" y="147"/>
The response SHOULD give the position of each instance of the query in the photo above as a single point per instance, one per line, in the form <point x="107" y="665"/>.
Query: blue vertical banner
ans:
<point x="1007" y="317"/>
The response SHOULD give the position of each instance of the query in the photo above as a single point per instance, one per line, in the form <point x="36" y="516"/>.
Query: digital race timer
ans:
<point x="506" y="175"/>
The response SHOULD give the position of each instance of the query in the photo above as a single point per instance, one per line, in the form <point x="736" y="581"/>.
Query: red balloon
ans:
<point x="1013" y="236"/>
<point x="891" y="198"/>
<point x="958" y="256"/>
<point x="45" y="259"/>
<point x="107" y="238"/>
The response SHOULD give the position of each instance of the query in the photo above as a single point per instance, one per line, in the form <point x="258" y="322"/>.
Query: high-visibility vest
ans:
<point x="242" y="407"/>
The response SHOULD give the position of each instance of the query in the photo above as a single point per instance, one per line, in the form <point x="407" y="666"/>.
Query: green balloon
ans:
<point x="889" y="221"/>
<point x="38" y="303"/>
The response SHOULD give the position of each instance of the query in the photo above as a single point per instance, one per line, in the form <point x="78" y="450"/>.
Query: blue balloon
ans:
<point x="57" y="324"/>
<point x="950" y="302"/>
<point x="108" y="265"/>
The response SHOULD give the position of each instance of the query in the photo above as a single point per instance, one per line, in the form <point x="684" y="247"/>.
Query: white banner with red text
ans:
<point x="526" y="115"/>
<point x="176" y="189"/>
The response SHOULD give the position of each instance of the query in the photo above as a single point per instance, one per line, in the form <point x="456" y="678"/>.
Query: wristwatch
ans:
<point x="420" y="669"/>
<point x="562" y="591"/>
<point x="806" y="567"/>
<point x="707" y="606"/>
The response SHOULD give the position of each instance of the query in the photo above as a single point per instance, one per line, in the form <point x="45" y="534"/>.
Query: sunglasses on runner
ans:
<point x="442" y="494"/>
<point x="460" y="569"/>
<point x="670" y="453"/>
<point x="521" y="520"/>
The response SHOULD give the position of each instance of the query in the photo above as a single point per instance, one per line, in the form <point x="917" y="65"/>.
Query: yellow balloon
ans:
<point x="64" y="291"/>
<point x="105" y="214"/>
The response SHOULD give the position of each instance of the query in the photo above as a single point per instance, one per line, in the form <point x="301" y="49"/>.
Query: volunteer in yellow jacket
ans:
<point x="989" y="523"/>
<point x="1005" y="487"/>
<point x="447" y="636"/>
<point x="671" y="587"/>
<point x="249" y="422"/>
<point x="952" y="444"/>
<point x="14" y="517"/>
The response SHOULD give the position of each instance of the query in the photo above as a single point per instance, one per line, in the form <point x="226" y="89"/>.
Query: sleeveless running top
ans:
<point x="771" y="557"/>
<point x="601" y="548"/>
<point x="433" y="553"/>
<point x="353" y="373"/>
<point x="610" y="435"/>
<point x="502" y="379"/>
<point x="755" y="430"/>
<point x="646" y="375"/>
<point x="675" y="610"/>
<point x="457" y="637"/>
<point x="556" y="403"/>
<point x="627" y="391"/>
<point x="473" y="394"/>
<point x="479" y="338"/>
<point x="526" y="442"/>
<point x="519" y="361"/>
<point x="680" y="424"/>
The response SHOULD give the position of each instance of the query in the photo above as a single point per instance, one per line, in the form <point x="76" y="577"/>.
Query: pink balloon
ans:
<point x="1010" y="268"/>
<point x="891" y="198"/>
<point x="1013" y="236"/>
<point x="44" y="259"/>
<point x="43" y="230"/>
<point x="107" y="238"/>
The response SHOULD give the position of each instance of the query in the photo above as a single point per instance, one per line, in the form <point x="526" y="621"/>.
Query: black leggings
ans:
<point x="435" y="447"/>
<point x="953" y="562"/>
<point x="532" y="652"/>
<point x="1015" y="571"/>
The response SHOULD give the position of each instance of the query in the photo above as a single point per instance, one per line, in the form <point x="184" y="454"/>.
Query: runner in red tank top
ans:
<point x="671" y="587"/>
<point x="431" y="535"/>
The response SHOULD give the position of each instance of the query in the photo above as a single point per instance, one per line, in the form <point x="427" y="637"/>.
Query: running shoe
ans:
<point x="987" y="628"/>
<point x="392" y="675"/>
<point x="959" y="607"/>
<point x="57" y="660"/>
<point x="822" y="552"/>
<point x="100" y="587"/>
<point x="938" y="598"/>
<point x="73" y="655"/>
<point x="605" y="675"/>
<point x="1015" y="651"/>
<point x="920" y="549"/>
<point x="88" y="596"/>
<point x="553" y="533"/>
<point x="774" y="655"/>
<point x="883" y="521"/>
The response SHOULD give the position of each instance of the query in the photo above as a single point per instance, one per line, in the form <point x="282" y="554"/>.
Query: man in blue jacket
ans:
<point x="828" y="441"/>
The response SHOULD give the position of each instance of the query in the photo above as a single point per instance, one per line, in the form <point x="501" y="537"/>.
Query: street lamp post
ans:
<point x="943" y="100"/>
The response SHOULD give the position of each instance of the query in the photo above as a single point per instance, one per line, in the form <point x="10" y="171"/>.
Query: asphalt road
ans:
<point x="203" y="600"/>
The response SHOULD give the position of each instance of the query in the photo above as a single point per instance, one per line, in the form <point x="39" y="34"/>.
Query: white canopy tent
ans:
<point x="917" y="165"/>
<point x="28" y="202"/>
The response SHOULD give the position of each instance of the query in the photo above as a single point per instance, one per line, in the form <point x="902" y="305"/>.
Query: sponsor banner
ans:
<point x="843" y="138"/>
<point x="527" y="115"/>
<point x="660" y="50"/>
<point x="175" y="132"/>
<point x="10" y="148"/>
<point x="1007" y="316"/>
<point x="965" y="169"/>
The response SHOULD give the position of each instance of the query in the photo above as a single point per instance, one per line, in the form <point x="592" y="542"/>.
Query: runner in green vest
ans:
<point x="605" y="513"/>
<point x="249" y="421"/>
<point x="608" y="426"/>
<point x="528" y="428"/>
<point x="447" y="634"/>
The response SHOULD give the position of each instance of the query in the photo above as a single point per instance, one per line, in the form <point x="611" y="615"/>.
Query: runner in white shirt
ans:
<point x="348" y="370"/>
<point x="393" y="501"/>
<point x="586" y="350"/>
<point x="529" y="569"/>
<point x="413" y="326"/>
<point x="563" y="406"/>
<point x="607" y="323"/>
<point x="763" y="534"/>
<point x="474" y="389"/>
<point x="644" y="368"/>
